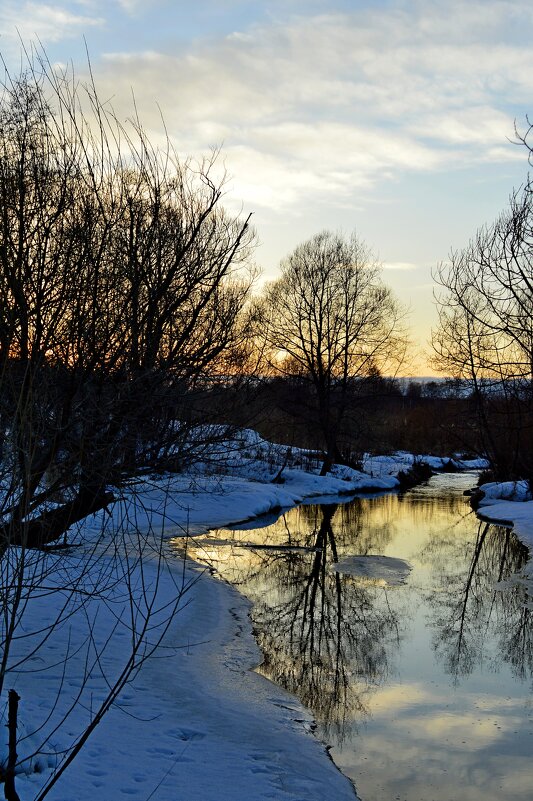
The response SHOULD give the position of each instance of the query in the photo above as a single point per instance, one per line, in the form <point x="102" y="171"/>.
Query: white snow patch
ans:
<point x="505" y="491"/>
<point x="385" y="571"/>
<point x="403" y="461"/>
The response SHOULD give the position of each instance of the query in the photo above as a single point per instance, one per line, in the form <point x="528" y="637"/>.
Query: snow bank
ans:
<point x="249" y="456"/>
<point x="518" y="514"/>
<point x="404" y="461"/>
<point x="505" y="491"/>
<point x="509" y="503"/>
<point x="196" y="722"/>
<point x="193" y="504"/>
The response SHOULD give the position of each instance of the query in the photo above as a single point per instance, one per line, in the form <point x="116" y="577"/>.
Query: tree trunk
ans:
<point x="9" y="784"/>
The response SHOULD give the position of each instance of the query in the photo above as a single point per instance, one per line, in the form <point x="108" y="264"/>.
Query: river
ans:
<point x="399" y="621"/>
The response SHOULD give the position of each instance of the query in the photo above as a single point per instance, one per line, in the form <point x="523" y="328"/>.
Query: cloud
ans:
<point x="327" y="104"/>
<point x="130" y="6"/>
<point x="133" y="7"/>
<point x="47" y="23"/>
<point x="399" y="265"/>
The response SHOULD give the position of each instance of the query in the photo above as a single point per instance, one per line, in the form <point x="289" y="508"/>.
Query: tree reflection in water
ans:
<point x="436" y="670"/>
<point x="324" y="631"/>
<point x="325" y="637"/>
<point x="332" y="639"/>
<point x="482" y="597"/>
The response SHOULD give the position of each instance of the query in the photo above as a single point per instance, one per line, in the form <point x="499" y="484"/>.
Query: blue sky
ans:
<point x="390" y="117"/>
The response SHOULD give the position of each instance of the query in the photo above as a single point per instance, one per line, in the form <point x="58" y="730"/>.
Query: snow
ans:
<point x="509" y="503"/>
<point x="516" y="513"/>
<point x="403" y="461"/>
<point x="196" y="722"/>
<point x="505" y="490"/>
<point x="385" y="571"/>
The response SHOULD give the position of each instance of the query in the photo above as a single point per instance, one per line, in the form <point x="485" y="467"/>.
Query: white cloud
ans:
<point x="326" y="109"/>
<point x="42" y="21"/>
<point x="327" y="104"/>
<point x="129" y="5"/>
<point x="399" y="265"/>
<point x="133" y="6"/>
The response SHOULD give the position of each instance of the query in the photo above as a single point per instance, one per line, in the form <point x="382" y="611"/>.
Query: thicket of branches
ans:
<point x="485" y="330"/>
<point x="122" y="284"/>
<point x="118" y="292"/>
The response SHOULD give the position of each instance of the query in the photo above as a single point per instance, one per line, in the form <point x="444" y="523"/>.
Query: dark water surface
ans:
<point x="417" y="666"/>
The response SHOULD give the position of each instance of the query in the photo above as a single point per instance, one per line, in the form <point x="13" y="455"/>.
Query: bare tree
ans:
<point x="118" y="296"/>
<point x="329" y="320"/>
<point x="122" y="281"/>
<point x="485" y="332"/>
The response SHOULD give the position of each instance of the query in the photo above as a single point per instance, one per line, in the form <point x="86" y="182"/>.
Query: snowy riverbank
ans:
<point x="509" y="503"/>
<point x="196" y="724"/>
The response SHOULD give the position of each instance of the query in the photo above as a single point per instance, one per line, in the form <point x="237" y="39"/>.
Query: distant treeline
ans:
<point x="382" y="415"/>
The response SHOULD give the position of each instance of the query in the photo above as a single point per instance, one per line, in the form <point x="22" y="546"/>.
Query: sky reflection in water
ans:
<point x="422" y="688"/>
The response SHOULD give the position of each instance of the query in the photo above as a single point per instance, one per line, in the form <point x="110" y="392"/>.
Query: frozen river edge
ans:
<point x="245" y="738"/>
<point x="200" y="724"/>
<point x="197" y="723"/>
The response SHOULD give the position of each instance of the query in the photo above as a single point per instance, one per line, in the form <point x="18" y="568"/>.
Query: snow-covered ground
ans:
<point x="509" y="503"/>
<point x="196" y="723"/>
<point x="402" y="460"/>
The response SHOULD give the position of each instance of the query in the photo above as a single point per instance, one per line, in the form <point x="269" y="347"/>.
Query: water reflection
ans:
<point x="438" y="665"/>
<point x="323" y="631"/>
<point x="474" y="601"/>
<point x="324" y="636"/>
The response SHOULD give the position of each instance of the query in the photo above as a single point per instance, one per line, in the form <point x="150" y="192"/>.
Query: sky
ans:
<point x="393" y="118"/>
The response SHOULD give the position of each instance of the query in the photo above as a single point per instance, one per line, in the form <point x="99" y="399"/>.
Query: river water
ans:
<point x="400" y="622"/>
